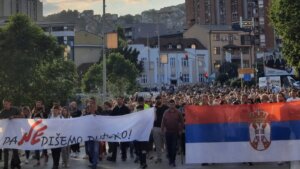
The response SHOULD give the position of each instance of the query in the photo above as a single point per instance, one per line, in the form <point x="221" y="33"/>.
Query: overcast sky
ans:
<point x="120" y="7"/>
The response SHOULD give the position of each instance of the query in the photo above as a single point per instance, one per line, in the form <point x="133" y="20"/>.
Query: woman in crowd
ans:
<point x="65" y="151"/>
<point x="26" y="113"/>
<point x="56" y="114"/>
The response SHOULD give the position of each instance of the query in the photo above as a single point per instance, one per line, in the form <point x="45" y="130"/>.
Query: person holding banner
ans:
<point x="38" y="112"/>
<point x="172" y="126"/>
<point x="65" y="151"/>
<point x="158" y="136"/>
<point x="93" y="145"/>
<point x="141" y="146"/>
<point x="10" y="113"/>
<point x="56" y="114"/>
<point x="119" y="110"/>
<point x="26" y="113"/>
<point x="75" y="112"/>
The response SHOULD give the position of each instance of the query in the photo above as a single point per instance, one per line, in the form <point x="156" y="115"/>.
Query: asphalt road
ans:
<point x="80" y="163"/>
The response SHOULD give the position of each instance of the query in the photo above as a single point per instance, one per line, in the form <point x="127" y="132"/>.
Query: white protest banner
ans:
<point x="29" y="134"/>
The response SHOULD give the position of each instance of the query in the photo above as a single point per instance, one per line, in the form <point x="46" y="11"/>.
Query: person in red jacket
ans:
<point x="172" y="126"/>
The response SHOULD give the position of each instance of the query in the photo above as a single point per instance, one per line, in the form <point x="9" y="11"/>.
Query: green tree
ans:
<point x="128" y="52"/>
<point x="285" y="17"/>
<point x="26" y="52"/>
<point x="121" y="76"/>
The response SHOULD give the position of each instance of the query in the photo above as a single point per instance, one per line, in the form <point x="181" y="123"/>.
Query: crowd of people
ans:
<point x="168" y="129"/>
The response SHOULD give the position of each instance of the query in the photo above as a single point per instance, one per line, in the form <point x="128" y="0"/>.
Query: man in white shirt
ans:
<point x="294" y="96"/>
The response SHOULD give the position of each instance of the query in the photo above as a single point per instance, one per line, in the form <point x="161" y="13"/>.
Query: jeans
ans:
<point x="93" y="150"/>
<point x="27" y="154"/>
<point x="15" y="161"/>
<point x="123" y="146"/>
<point x="141" y="151"/>
<point x="171" y="141"/>
<point x="56" y="156"/>
<point x="86" y="148"/>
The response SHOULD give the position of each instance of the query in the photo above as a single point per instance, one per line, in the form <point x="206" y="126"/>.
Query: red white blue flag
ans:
<point x="243" y="133"/>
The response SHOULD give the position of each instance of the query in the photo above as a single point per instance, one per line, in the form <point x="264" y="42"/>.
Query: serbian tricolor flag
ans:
<point x="243" y="133"/>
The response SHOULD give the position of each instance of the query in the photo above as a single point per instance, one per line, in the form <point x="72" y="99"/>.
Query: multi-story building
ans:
<point x="177" y="61"/>
<point x="63" y="32"/>
<point x="224" y="44"/>
<point x="228" y="12"/>
<point x="31" y="8"/>
<point x="88" y="48"/>
<point x="143" y="30"/>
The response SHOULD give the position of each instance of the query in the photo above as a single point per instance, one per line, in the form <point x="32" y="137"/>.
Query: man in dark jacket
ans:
<point x="119" y="110"/>
<point x="10" y="112"/>
<point x="158" y="136"/>
<point x="75" y="112"/>
<point x="172" y="126"/>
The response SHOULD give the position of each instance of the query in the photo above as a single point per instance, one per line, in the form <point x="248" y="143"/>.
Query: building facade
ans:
<point x="64" y="33"/>
<point x="144" y="30"/>
<point x="224" y="45"/>
<point x="31" y="8"/>
<point x="87" y="48"/>
<point x="176" y="62"/>
<point x="228" y="12"/>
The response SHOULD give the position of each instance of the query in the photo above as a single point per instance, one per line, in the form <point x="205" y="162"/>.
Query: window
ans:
<point x="222" y="11"/>
<point x="144" y="59"/>
<point x="179" y="46"/>
<point x="186" y="78"/>
<point x="246" y="40"/>
<point x="216" y="37"/>
<point x="162" y="78"/>
<point x="217" y="64"/>
<point x="217" y="50"/>
<point x="184" y="62"/>
<point x="202" y="77"/>
<point x="245" y="51"/>
<point x="261" y="20"/>
<point x="172" y="62"/>
<point x="58" y="28"/>
<point x="207" y="7"/>
<point x="234" y="10"/>
<point x="170" y="46"/>
<point x="144" y="79"/>
<point x="246" y="63"/>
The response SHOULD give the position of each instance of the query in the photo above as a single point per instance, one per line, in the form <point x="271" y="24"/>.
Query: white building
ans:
<point x="187" y="62"/>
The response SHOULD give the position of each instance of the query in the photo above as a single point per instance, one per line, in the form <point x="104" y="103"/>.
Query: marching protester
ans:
<point x="38" y="112"/>
<point x="65" y="151"/>
<point x="75" y="112"/>
<point x="293" y="96"/>
<point x="26" y="113"/>
<point x="107" y="110"/>
<point x="120" y="109"/>
<point x="56" y="114"/>
<point x="141" y="146"/>
<point x="167" y="128"/>
<point x="93" y="145"/>
<point x="10" y="112"/>
<point x="172" y="126"/>
<point x="158" y="135"/>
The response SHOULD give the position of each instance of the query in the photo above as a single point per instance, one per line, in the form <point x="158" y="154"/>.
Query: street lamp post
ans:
<point x="104" y="56"/>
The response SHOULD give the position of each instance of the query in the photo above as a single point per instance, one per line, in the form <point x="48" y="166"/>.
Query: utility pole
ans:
<point x="104" y="57"/>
